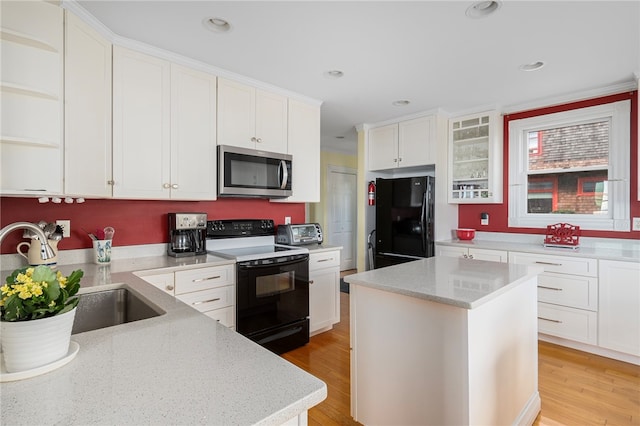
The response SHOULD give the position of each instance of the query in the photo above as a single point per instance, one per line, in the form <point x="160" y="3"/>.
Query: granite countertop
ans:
<point x="464" y="283"/>
<point x="595" y="248"/>
<point x="179" y="368"/>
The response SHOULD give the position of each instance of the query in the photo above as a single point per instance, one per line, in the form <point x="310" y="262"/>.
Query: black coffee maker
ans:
<point x="187" y="234"/>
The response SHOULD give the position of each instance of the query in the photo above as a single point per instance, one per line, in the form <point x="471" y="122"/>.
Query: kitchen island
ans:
<point x="181" y="367"/>
<point x="444" y="341"/>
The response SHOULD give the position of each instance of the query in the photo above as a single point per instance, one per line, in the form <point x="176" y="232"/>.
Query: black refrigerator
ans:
<point x="404" y="220"/>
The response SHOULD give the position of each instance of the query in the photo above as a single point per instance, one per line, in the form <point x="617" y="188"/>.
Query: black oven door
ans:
<point x="273" y="298"/>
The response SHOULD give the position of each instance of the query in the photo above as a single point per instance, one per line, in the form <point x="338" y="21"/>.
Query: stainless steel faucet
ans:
<point x="46" y="252"/>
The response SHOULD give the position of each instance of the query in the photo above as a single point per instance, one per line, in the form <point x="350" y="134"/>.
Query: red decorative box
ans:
<point x="562" y="235"/>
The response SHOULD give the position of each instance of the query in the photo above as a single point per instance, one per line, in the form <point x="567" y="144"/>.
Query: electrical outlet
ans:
<point x="66" y="227"/>
<point x="287" y="220"/>
<point x="635" y="226"/>
<point x="484" y="218"/>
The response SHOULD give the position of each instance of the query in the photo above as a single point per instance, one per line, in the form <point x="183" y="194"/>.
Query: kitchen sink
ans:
<point x="106" y="308"/>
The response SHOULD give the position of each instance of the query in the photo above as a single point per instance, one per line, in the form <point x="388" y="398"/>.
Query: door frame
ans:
<point x="329" y="208"/>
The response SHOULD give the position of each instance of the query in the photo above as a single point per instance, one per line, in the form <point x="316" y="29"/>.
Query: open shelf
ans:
<point x="26" y="39"/>
<point x="28" y="91"/>
<point x="15" y="140"/>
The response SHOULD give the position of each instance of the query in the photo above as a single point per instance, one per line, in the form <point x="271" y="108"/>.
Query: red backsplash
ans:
<point x="469" y="215"/>
<point x="136" y="222"/>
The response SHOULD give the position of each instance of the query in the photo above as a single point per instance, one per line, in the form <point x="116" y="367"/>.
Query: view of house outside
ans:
<point x="568" y="169"/>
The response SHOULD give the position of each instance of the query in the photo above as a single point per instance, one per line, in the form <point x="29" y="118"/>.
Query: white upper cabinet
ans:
<point x="32" y="98"/>
<point x="251" y="118"/>
<point x="163" y="129"/>
<point x="408" y="143"/>
<point x="304" y="146"/>
<point x="383" y="147"/>
<point x="475" y="159"/>
<point x="193" y="134"/>
<point x="87" y="91"/>
<point x="141" y="125"/>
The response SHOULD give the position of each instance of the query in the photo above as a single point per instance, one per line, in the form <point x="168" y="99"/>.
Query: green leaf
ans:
<point x="53" y="290"/>
<point x="43" y="273"/>
<point x="13" y="309"/>
<point x="73" y="282"/>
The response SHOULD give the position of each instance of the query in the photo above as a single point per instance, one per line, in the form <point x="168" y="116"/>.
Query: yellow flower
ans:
<point x="5" y="289"/>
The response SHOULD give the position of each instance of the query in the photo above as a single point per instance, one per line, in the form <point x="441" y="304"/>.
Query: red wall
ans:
<point x="136" y="222"/>
<point x="469" y="215"/>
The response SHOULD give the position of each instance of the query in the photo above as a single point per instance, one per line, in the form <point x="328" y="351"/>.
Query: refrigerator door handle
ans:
<point x="423" y="222"/>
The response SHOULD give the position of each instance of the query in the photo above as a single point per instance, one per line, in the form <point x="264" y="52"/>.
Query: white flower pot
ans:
<point x="31" y="344"/>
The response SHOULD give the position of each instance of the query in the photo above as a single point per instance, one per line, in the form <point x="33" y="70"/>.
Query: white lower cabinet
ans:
<point x="619" y="311"/>
<point x="472" y="253"/>
<point x="324" y="291"/>
<point x="164" y="282"/>
<point x="210" y="290"/>
<point x="567" y="295"/>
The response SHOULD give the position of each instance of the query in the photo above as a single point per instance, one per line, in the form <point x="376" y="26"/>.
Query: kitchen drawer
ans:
<point x="559" y="264"/>
<point x="569" y="323"/>
<point x="164" y="282"/>
<point x="204" y="278"/>
<point x="568" y="290"/>
<point x="207" y="300"/>
<point x="225" y="316"/>
<point x="325" y="259"/>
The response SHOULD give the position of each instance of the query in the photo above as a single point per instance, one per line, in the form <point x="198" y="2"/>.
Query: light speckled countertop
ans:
<point x="595" y="248"/>
<point x="179" y="368"/>
<point x="464" y="283"/>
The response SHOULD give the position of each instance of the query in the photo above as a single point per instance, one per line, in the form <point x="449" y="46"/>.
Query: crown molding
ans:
<point x="572" y="97"/>
<point x="115" y="39"/>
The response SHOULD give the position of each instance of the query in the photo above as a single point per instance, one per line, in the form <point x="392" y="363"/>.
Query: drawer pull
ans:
<point x="205" y="279"/>
<point x="550" y="320"/>
<point x="325" y="260"/>
<point x="550" y="288"/>
<point x="548" y="263"/>
<point x="206" y="301"/>
<point x="310" y="281"/>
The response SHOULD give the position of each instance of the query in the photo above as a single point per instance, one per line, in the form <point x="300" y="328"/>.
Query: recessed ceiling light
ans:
<point x="216" y="24"/>
<point x="401" y="102"/>
<point x="480" y="9"/>
<point x="532" y="66"/>
<point x="333" y="74"/>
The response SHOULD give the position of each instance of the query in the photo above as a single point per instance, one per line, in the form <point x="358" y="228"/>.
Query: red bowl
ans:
<point x="465" y="233"/>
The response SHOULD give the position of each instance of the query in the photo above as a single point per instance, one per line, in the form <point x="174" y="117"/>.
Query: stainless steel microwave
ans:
<point x="246" y="172"/>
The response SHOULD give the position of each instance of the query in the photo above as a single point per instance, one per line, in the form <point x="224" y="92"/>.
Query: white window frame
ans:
<point x="618" y="217"/>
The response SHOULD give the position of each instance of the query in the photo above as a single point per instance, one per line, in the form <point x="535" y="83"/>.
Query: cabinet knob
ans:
<point x="395" y="160"/>
<point x="400" y="159"/>
<point x="259" y="140"/>
<point x="170" y="287"/>
<point x="465" y="256"/>
<point x="310" y="281"/>
<point x="470" y="256"/>
<point x="166" y="186"/>
<point x="174" y="186"/>
<point x="254" y="139"/>
<point x="111" y="182"/>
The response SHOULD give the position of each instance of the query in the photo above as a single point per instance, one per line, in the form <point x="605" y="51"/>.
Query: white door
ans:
<point x="342" y="216"/>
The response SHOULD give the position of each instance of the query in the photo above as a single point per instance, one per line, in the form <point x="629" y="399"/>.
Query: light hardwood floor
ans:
<point x="576" y="388"/>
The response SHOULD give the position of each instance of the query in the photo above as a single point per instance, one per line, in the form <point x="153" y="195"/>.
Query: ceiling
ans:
<point x="428" y="52"/>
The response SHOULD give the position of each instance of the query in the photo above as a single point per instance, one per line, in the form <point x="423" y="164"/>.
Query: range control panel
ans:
<point x="230" y="228"/>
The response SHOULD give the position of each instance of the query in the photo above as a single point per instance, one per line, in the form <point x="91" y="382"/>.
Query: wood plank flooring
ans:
<point x="576" y="388"/>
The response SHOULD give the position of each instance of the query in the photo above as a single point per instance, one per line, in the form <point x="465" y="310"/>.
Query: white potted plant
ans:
<point x="37" y="309"/>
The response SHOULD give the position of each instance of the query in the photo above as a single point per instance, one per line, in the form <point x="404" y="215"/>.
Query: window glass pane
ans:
<point x="575" y="147"/>
<point x="582" y="193"/>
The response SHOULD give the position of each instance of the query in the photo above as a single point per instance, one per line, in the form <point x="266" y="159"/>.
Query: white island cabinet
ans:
<point x="444" y="341"/>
